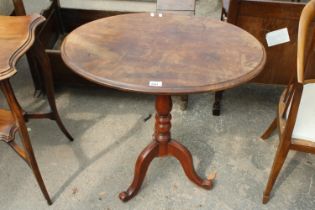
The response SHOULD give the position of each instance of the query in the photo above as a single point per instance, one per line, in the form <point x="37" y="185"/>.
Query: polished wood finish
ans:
<point x="163" y="145"/>
<point x="13" y="41"/>
<point x="182" y="44"/>
<point x="305" y="49"/>
<point x="260" y="17"/>
<point x="16" y="36"/>
<point x="185" y="53"/>
<point x="290" y="101"/>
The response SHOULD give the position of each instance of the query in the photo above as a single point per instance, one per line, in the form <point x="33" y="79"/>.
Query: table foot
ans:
<point x="265" y="199"/>
<point x="143" y="162"/>
<point x="184" y="157"/>
<point x="172" y="148"/>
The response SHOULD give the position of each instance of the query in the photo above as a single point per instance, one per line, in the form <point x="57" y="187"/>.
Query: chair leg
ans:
<point x="19" y="8"/>
<point x="184" y="102"/>
<point x="279" y="159"/>
<point x="269" y="130"/>
<point x="216" y="109"/>
<point x="44" y="63"/>
<point x="18" y="115"/>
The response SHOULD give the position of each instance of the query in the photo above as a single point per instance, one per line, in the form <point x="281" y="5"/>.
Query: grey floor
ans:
<point x="110" y="132"/>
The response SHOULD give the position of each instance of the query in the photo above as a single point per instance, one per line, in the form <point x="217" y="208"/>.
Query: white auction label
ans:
<point x="155" y="83"/>
<point x="277" y="37"/>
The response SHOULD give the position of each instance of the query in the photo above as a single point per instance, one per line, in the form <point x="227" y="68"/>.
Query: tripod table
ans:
<point x="163" y="55"/>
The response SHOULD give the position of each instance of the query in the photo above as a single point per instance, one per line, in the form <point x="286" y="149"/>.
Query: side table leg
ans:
<point x="143" y="162"/>
<point x="44" y="63"/>
<point x="161" y="146"/>
<point x="184" y="157"/>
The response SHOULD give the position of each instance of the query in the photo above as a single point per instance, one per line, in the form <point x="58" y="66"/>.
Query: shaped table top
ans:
<point x="17" y="35"/>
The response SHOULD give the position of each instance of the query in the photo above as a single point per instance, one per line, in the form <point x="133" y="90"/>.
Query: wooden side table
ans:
<point x="163" y="56"/>
<point x="16" y="37"/>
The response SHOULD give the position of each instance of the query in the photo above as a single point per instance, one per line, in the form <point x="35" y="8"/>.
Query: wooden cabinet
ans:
<point x="261" y="17"/>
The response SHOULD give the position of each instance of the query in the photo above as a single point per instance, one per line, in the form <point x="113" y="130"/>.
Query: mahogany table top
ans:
<point x="163" y="55"/>
<point x="17" y="35"/>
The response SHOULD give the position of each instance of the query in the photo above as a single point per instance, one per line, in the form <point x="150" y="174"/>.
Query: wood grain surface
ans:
<point x="16" y="36"/>
<point x="187" y="54"/>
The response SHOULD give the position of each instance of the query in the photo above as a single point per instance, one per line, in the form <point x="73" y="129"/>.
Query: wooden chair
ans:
<point x="16" y="36"/>
<point x="296" y="109"/>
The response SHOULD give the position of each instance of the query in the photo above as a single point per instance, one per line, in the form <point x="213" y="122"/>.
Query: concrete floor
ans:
<point x="110" y="132"/>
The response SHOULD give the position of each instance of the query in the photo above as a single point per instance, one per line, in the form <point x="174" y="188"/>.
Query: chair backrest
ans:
<point x="307" y="17"/>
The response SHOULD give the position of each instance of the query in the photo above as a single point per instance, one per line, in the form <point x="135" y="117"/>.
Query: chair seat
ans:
<point x="305" y="123"/>
<point x="8" y="126"/>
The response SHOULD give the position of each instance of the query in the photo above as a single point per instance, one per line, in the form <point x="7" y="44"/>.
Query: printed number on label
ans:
<point x="155" y="83"/>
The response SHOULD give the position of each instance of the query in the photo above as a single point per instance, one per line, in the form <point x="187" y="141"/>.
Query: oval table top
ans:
<point x="163" y="55"/>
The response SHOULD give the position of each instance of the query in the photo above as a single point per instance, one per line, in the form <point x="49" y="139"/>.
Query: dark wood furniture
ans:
<point x="296" y="109"/>
<point x="259" y="17"/>
<point x="16" y="37"/>
<point x="41" y="69"/>
<point x="156" y="56"/>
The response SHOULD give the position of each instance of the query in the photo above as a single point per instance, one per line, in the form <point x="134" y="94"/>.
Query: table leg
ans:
<point x="163" y="145"/>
